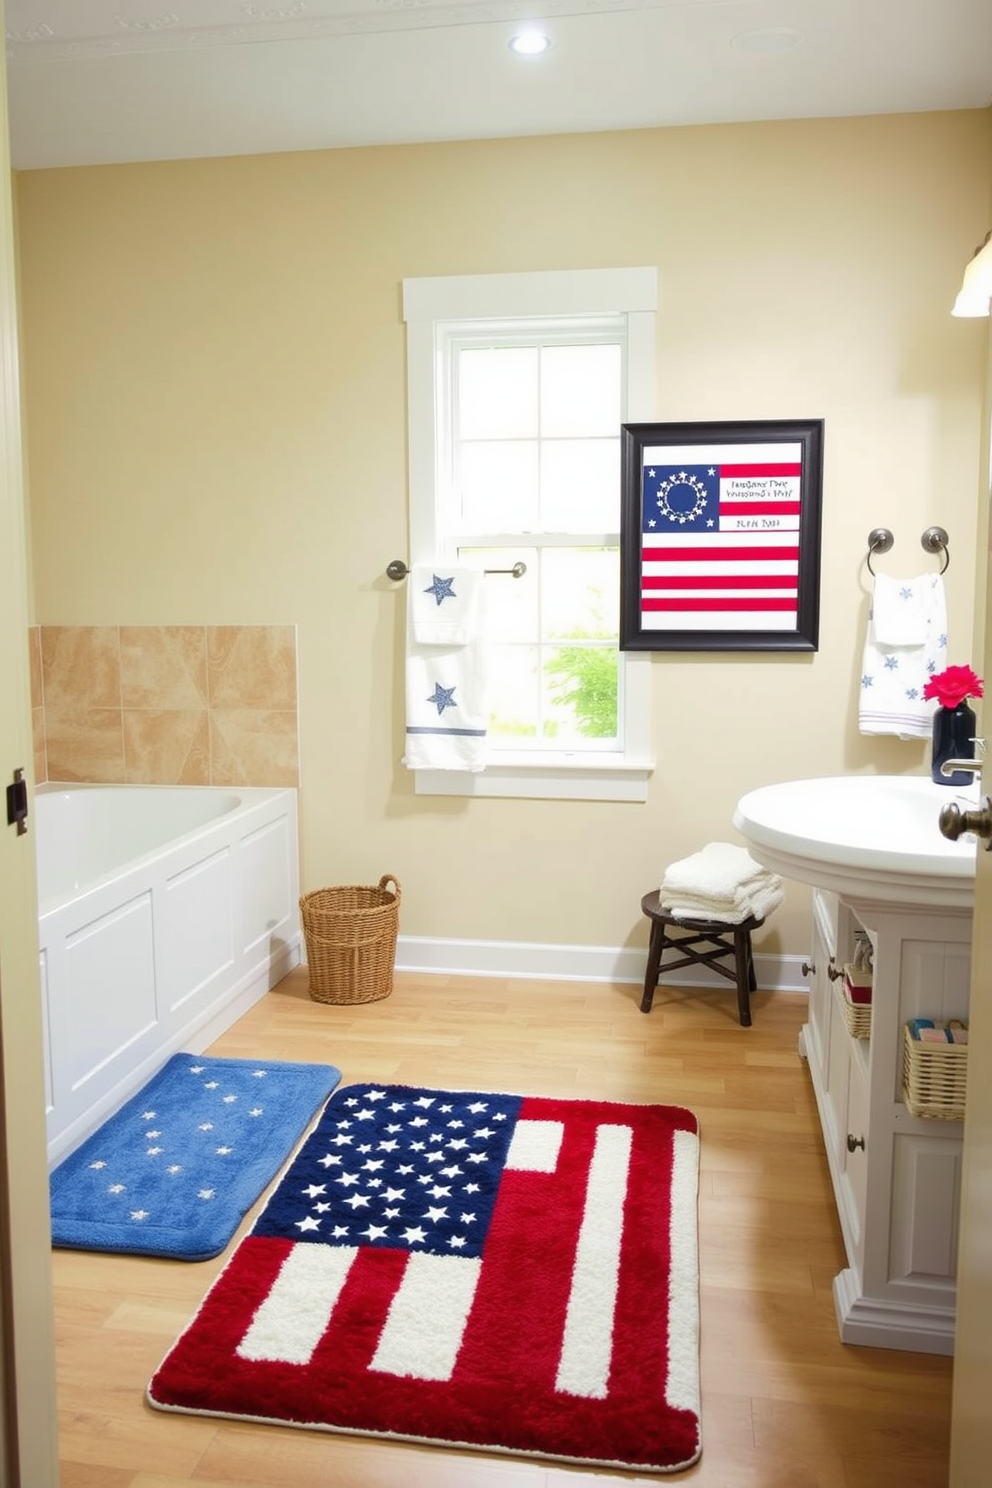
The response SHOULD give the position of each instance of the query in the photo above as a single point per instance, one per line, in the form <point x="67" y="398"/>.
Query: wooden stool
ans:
<point x="725" y="942"/>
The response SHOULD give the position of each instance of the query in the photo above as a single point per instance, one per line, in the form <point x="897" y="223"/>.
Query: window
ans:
<point x="518" y="385"/>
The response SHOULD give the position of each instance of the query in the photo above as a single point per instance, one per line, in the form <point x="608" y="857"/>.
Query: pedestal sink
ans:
<point x="868" y="837"/>
<point x="880" y="867"/>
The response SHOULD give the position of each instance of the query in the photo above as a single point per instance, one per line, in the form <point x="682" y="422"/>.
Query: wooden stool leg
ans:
<point x="745" y="973"/>
<point x="656" y="945"/>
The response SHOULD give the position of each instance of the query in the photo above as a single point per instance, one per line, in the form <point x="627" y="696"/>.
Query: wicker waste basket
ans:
<point x="350" y="934"/>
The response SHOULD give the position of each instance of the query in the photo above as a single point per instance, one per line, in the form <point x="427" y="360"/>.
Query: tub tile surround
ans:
<point x="165" y="704"/>
<point x="37" y="709"/>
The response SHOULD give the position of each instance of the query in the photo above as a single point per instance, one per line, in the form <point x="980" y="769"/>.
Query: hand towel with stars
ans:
<point x="905" y="645"/>
<point x="447" y="711"/>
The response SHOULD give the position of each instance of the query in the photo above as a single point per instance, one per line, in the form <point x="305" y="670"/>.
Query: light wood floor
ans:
<point x="784" y="1403"/>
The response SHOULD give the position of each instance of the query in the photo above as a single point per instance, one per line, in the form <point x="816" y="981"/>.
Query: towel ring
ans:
<point x="933" y="540"/>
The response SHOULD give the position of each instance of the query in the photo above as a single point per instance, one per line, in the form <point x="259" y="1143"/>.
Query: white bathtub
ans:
<point x="164" y="913"/>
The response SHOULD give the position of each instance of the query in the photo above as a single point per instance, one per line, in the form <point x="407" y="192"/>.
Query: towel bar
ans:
<point x="398" y="570"/>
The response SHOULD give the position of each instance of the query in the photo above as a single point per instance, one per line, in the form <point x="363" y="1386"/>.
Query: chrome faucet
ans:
<point x="975" y="766"/>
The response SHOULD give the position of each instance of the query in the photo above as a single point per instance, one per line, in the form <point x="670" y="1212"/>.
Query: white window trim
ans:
<point x="634" y="293"/>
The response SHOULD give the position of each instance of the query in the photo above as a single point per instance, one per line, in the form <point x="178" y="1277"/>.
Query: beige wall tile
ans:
<point x="253" y="747"/>
<point x="163" y="666"/>
<point x="34" y="662"/>
<point x="81" y="666"/>
<point x="85" y="744"/>
<point x="252" y="666"/>
<point x="162" y="734"/>
<point x="167" y="746"/>
<point x="38" y="742"/>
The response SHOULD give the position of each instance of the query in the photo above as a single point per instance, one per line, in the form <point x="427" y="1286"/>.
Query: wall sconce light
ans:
<point x="976" y="286"/>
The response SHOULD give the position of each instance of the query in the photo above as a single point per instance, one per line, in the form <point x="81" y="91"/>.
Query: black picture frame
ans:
<point x="703" y="504"/>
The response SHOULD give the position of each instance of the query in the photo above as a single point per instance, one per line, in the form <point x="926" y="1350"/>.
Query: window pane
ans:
<point x="497" y="393"/>
<point x="514" y="694"/>
<point x="580" y="593"/>
<point x="580" y="693"/>
<point x="580" y="485"/>
<point x="499" y="485"/>
<point x="580" y="390"/>
<point x="511" y="604"/>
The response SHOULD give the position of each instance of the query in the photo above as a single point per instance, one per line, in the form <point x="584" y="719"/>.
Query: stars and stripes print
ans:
<point x="720" y="536"/>
<point x="505" y="1272"/>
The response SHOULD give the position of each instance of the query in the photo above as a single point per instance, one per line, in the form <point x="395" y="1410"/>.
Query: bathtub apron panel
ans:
<point x="144" y="956"/>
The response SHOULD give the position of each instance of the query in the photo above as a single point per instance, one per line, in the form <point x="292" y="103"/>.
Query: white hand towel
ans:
<point x="445" y="603"/>
<point x="893" y="677"/>
<point x="899" y="611"/>
<point x="447" y="708"/>
<point x="716" y="871"/>
<point x="760" y="905"/>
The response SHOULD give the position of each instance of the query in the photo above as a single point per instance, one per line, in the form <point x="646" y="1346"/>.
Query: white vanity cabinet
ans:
<point x="896" y="1177"/>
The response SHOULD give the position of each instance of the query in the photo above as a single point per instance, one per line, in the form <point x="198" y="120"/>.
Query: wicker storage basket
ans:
<point x="350" y="934"/>
<point x="857" y="1015"/>
<point x="934" y="1077"/>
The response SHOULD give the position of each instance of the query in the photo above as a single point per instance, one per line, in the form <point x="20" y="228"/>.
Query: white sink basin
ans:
<point x="869" y="837"/>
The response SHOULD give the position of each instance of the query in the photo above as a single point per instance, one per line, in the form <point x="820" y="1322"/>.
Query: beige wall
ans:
<point x="215" y="392"/>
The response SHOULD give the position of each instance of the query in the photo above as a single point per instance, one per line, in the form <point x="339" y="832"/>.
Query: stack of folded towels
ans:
<point x="720" y="882"/>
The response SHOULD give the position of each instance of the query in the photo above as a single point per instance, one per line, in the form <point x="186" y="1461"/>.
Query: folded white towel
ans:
<point x="893" y="677"/>
<point x="759" y="904"/>
<point x="718" y="870"/>
<point x="899" y="611"/>
<point x="445" y="603"/>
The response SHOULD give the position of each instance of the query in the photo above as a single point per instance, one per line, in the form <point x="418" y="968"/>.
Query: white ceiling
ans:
<point x="102" y="81"/>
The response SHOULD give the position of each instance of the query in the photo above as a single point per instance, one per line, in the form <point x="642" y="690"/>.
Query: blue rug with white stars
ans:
<point x="174" y="1171"/>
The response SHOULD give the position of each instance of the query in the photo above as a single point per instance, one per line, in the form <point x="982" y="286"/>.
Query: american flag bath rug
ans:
<point x="497" y="1272"/>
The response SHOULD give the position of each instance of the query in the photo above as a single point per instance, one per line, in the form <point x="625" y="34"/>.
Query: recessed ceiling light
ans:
<point x="767" y="41"/>
<point x="529" y="43"/>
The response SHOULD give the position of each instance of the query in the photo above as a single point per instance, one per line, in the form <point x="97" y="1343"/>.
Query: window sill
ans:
<point x="560" y="778"/>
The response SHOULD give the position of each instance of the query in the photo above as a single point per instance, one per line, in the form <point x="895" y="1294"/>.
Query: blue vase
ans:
<point x="953" y="738"/>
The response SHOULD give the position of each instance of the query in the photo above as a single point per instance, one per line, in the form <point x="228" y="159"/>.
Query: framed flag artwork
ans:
<point x="720" y="536"/>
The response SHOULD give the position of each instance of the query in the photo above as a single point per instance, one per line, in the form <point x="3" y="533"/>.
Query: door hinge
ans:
<point x="17" y="803"/>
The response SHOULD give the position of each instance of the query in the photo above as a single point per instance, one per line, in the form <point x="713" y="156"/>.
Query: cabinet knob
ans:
<point x="808" y="969"/>
<point x="853" y="1143"/>
<point x="833" y="972"/>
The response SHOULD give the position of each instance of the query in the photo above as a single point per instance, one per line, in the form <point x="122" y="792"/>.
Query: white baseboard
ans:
<point x="564" y="963"/>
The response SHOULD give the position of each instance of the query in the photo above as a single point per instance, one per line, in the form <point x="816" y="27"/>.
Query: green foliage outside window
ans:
<point x="585" y="679"/>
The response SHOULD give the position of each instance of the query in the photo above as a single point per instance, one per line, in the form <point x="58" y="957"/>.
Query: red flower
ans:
<point x="951" y="686"/>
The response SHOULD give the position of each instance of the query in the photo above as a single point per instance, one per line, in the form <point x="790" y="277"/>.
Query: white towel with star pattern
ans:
<point x="902" y="651"/>
<point x="445" y="603"/>
<point x="447" y="704"/>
